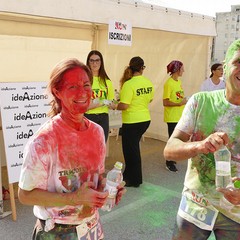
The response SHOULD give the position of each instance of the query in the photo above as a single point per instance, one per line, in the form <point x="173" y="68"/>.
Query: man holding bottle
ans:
<point x="209" y="121"/>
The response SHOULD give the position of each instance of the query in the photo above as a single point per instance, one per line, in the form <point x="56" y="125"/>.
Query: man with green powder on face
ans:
<point x="209" y="121"/>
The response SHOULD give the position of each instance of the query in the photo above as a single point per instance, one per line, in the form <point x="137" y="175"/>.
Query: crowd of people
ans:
<point x="63" y="172"/>
<point x="63" y="158"/>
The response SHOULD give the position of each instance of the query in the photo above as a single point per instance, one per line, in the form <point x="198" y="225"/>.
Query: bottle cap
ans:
<point x="118" y="165"/>
<point x="237" y="184"/>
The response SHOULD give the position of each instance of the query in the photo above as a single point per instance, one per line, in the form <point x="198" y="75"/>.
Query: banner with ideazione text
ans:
<point x="24" y="107"/>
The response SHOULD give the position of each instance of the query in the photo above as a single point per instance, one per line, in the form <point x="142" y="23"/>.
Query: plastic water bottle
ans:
<point x="117" y="95"/>
<point x="223" y="167"/>
<point x="114" y="178"/>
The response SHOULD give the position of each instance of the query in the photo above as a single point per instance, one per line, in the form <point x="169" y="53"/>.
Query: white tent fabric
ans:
<point x="141" y="15"/>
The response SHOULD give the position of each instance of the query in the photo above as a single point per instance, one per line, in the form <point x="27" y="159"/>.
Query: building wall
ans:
<point x="228" y="30"/>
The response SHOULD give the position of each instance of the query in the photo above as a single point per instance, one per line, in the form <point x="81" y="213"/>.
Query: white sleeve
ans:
<point x="34" y="169"/>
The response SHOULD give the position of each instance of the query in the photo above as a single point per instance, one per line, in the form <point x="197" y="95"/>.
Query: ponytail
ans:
<point x="128" y="74"/>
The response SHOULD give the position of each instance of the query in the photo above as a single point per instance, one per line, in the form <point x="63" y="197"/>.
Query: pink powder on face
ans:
<point x="75" y="92"/>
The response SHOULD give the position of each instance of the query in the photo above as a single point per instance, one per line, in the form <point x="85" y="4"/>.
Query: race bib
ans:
<point x="90" y="229"/>
<point x="203" y="217"/>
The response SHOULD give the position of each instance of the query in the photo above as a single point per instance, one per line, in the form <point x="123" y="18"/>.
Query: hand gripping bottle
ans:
<point x="223" y="167"/>
<point x="114" y="178"/>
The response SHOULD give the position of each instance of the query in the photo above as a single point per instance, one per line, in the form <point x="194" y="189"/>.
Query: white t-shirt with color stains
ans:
<point x="59" y="159"/>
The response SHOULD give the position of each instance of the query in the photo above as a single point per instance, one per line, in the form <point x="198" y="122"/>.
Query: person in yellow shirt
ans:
<point x="173" y="101"/>
<point x="102" y="92"/>
<point x="135" y="95"/>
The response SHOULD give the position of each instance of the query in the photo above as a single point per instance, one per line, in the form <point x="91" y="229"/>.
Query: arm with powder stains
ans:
<point x="85" y="195"/>
<point x="180" y="148"/>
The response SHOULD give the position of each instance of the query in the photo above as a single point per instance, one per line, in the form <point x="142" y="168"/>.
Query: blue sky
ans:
<point x="206" y="7"/>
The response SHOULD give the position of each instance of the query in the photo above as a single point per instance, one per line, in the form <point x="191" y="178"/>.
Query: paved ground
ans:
<point x="145" y="213"/>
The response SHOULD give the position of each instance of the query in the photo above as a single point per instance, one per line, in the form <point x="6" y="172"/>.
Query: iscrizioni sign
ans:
<point x="120" y="33"/>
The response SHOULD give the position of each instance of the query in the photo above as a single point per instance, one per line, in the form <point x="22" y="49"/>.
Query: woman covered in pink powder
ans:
<point x="64" y="161"/>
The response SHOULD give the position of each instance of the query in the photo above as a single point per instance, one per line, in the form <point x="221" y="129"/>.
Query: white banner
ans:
<point x="120" y="33"/>
<point x="24" y="108"/>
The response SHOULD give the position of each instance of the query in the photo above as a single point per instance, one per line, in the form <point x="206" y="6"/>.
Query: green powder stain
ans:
<point x="159" y="197"/>
<point x="237" y="184"/>
<point x="157" y="219"/>
<point x="234" y="47"/>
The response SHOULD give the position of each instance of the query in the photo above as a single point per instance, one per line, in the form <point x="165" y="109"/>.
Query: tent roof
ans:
<point x="140" y="14"/>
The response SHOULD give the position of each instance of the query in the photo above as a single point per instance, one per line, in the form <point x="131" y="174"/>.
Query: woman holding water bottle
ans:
<point x="64" y="161"/>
